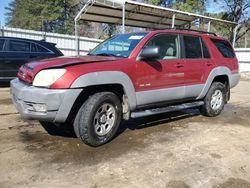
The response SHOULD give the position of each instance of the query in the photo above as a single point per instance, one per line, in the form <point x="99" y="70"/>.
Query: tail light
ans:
<point x="25" y="74"/>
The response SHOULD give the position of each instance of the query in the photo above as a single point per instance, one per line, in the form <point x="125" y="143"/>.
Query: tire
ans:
<point x="214" y="100"/>
<point x="98" y="119"/>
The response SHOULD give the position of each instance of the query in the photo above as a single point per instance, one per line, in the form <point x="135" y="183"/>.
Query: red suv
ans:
<point x="128" y="76"/>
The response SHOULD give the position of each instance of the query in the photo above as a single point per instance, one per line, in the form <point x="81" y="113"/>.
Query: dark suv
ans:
<point x="128" y="76"/>
<point x="14" y="52"/>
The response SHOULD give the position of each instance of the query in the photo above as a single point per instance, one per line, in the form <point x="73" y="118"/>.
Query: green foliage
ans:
<point x="237" y="11"/>
<point x="38" y="14"/>
<point x="195" y="6"/>
<point x="220" y="29"/>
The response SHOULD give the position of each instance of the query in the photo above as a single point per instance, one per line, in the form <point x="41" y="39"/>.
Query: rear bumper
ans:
<point x="52" y="105"/>
<point x="234" y="79"/>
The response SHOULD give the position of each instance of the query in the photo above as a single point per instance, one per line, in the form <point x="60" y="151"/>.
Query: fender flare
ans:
<point x="108" y="77"/>
<point x="218" y="71"/>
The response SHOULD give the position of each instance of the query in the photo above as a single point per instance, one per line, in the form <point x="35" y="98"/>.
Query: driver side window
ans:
<point x="168" y="45"/>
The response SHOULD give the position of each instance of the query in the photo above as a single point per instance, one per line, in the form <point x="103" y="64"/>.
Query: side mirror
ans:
<point x="150" y="52"/>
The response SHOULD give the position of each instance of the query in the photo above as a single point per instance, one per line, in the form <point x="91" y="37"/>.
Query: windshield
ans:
<point x="119" y="45"/>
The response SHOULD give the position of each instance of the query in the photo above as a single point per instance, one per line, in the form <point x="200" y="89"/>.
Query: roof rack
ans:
<point x="205" y="32"/>
<point x="198" y="31"/>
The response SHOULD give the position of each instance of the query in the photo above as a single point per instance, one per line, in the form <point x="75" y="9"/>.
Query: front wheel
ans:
<point x="98" y="119"/>
<point x="215" y="100"/>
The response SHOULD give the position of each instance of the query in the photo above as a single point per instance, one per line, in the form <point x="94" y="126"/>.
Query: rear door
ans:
<point x="197" y="64"/>
<point x="16" y="53"/>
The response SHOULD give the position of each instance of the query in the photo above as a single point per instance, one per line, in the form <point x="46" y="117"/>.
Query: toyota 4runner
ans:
<point x="128" y="76"/>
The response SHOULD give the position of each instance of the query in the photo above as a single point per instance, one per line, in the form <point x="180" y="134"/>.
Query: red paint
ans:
<point x="154" y="75"/>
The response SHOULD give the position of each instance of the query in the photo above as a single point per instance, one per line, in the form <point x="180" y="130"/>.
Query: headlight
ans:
<point x="45" y="78"/>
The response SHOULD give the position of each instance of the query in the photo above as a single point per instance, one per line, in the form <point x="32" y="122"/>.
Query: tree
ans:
<point x="38" y="14"/>
<point x="164" y="3"/>
<point x="237" y="11"/>
<point x="195" y="6"/>
<point x="50" y="16"/>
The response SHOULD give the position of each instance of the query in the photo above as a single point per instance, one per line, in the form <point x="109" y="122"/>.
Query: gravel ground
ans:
<point x="174" y="150"/>
<point x="245" y="76"/>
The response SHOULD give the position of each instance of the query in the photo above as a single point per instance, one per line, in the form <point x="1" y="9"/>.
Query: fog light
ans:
<point x="40" y="107"/>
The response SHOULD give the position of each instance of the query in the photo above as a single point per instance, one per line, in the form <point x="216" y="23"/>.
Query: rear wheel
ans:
<point x="215" y="100"/>
<point x="98" y="119"/>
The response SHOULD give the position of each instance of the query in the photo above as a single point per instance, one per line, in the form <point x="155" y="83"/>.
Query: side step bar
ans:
<point x="172" y="108"/>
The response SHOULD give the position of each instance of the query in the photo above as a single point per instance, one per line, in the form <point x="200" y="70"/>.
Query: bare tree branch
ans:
<point x="243" y="33"/>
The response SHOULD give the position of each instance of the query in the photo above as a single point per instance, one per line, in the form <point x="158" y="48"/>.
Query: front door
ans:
<point x="161" y="79"/>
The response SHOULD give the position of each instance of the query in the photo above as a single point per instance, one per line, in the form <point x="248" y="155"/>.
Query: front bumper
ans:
<point x="52" y="105"/>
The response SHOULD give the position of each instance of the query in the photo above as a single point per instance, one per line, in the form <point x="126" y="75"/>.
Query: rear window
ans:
<point x="224" y="47"/>
<point x="19" y="46"/>
<point x="192" y="47"/>
<point x="1" y="44"/>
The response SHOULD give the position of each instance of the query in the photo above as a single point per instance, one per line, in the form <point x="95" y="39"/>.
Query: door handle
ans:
<point x="179" y="65"/>
<point x="209" y="64"/>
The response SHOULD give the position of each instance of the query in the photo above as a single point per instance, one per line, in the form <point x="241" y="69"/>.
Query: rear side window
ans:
<point x="41" y="49"/>
<point x="224" y="47"/>
<point x="192" y="47"/>
<point x="1" y="44"/>
<point x="33" y="47"/>
<point x="19" y="46"/>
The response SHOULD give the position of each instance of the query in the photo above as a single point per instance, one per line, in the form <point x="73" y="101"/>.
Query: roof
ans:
<point x="28" y="40"/>
<point x="140" y="14"/>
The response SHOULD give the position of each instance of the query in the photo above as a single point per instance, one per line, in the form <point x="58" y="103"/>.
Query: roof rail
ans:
<point x="198" y="31"/>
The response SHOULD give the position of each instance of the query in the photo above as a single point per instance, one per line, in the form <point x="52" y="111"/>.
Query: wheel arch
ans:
<point x="220" y="74"/>
<point x="113" y="81"/>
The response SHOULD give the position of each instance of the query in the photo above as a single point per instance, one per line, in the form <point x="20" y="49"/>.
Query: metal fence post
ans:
<point x="77" y="38"/>
<point x="173" y="21"/>
<point x="2" y="31"/>
<point x="44" y="36"/>
<point x="123" y="18"/>
<point x="245" y="37"/>
<point x="235" y="33"/>
<point x="208" y="26"/>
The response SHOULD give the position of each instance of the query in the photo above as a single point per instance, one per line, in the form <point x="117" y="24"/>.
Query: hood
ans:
<point x="68" y="61"/>
<point x="27" y="72"/>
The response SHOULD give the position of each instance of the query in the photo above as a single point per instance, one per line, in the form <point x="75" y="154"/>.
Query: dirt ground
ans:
<point x="174" y="150"/>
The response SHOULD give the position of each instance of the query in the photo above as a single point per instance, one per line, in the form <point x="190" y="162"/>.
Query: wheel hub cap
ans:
<point x="104" y="119"/>
<point x="216" y="100"/>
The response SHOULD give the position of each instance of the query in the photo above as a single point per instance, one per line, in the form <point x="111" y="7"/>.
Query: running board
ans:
<point x="172" y="108"/>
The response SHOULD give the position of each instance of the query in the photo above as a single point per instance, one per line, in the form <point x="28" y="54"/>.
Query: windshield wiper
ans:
<point x="105" y="54"/>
